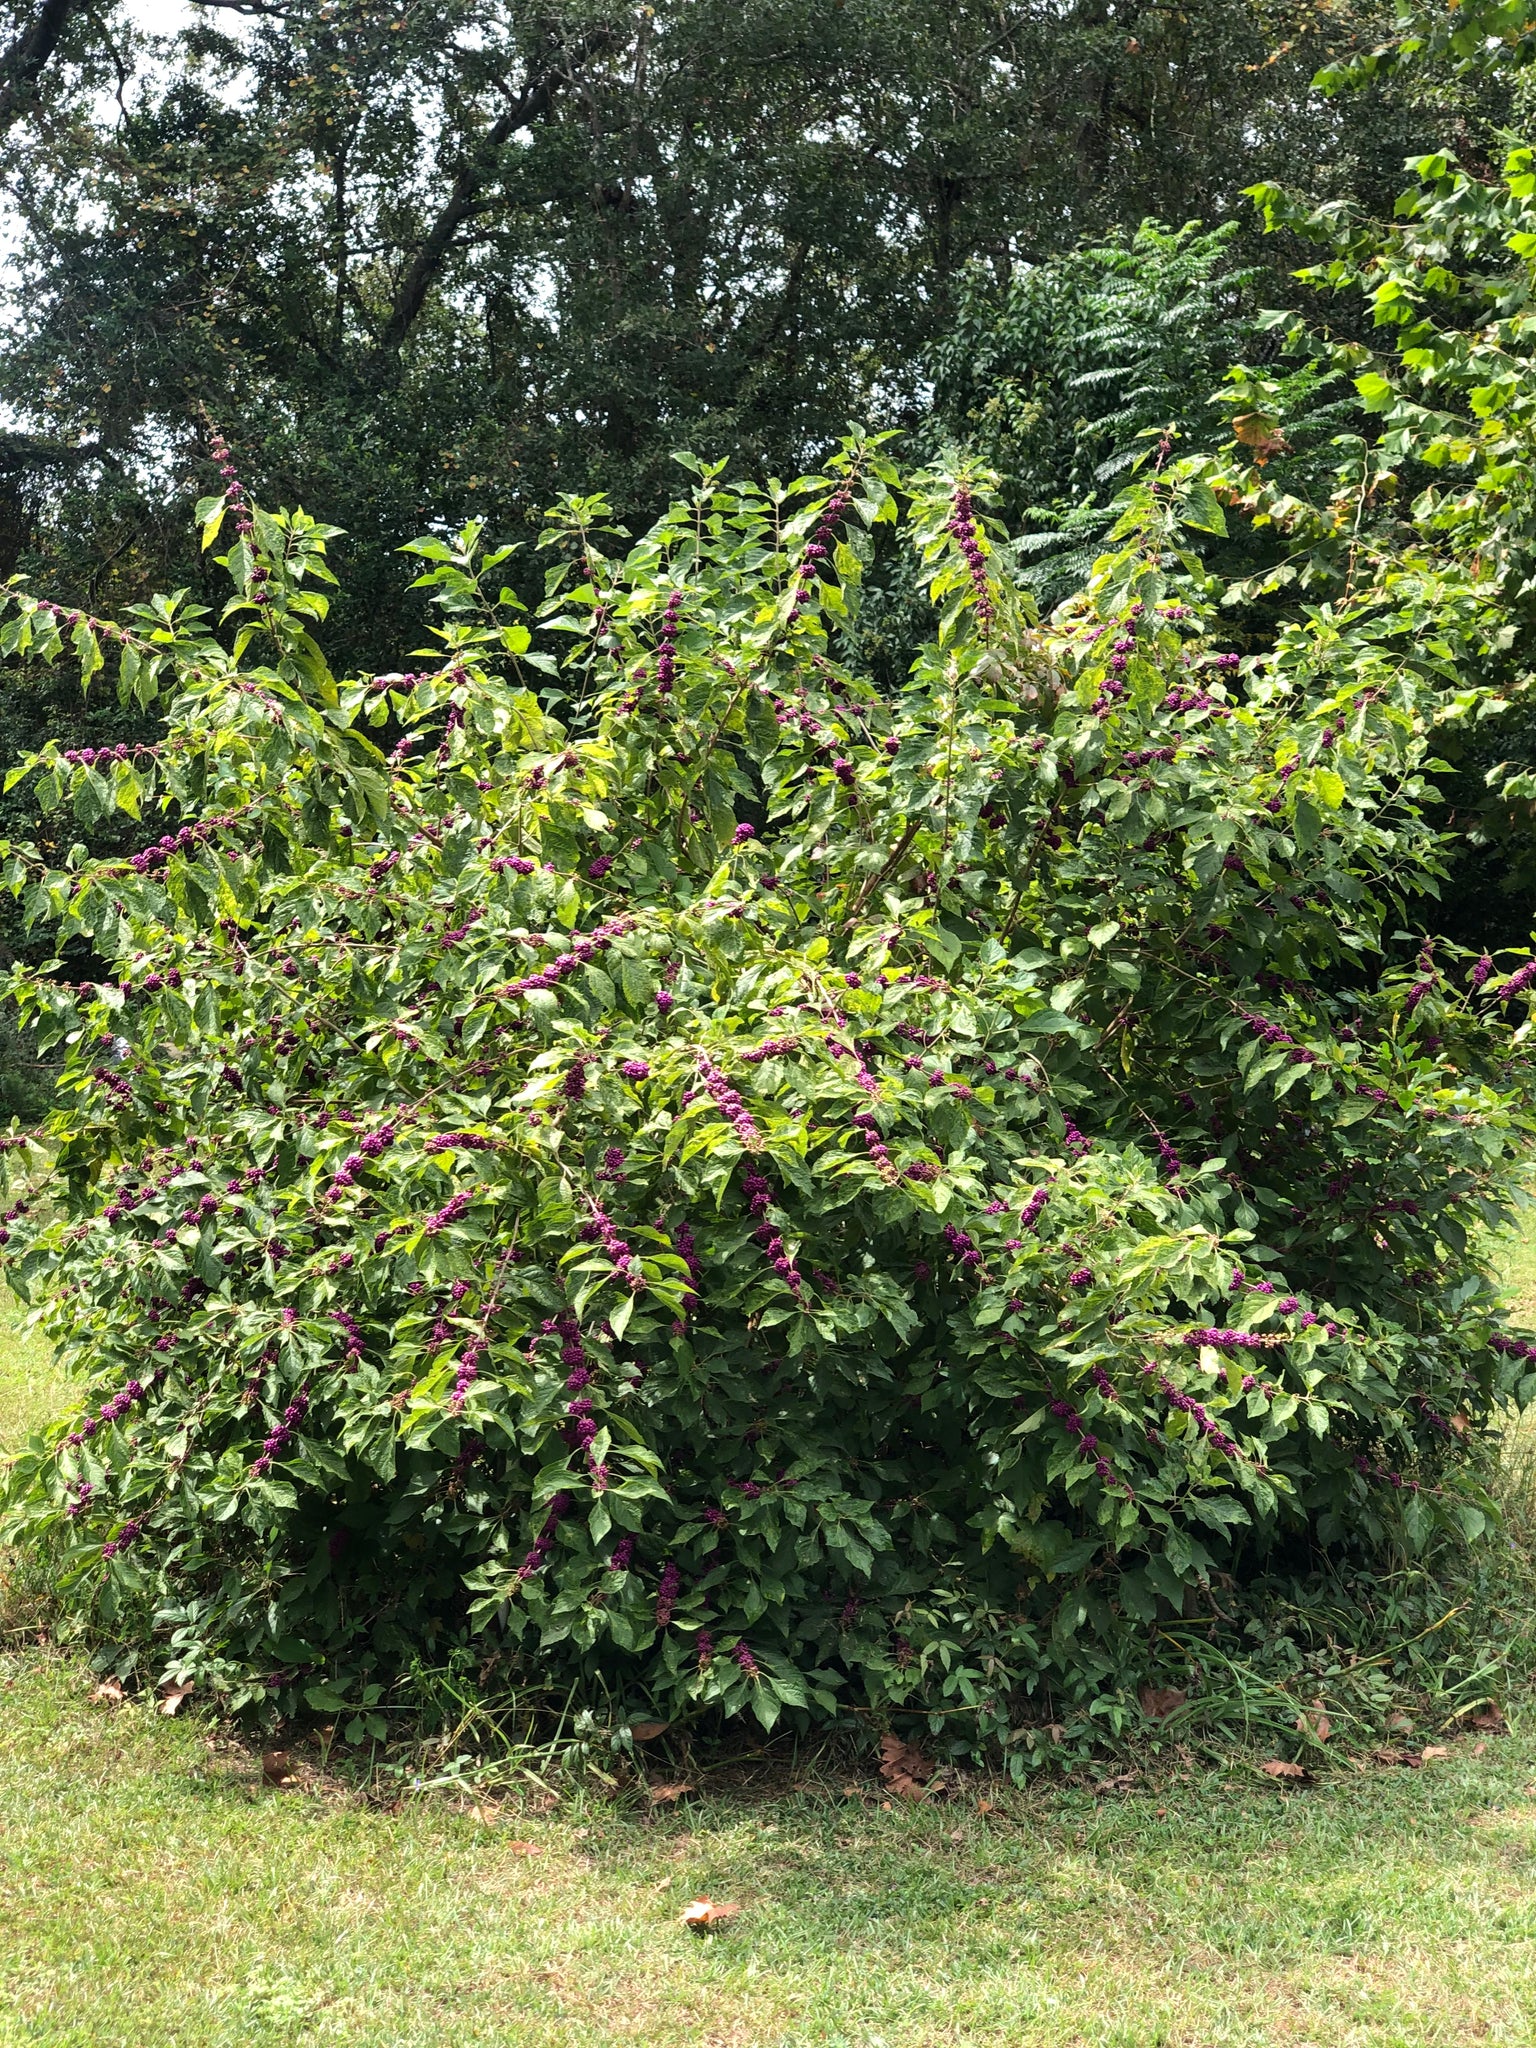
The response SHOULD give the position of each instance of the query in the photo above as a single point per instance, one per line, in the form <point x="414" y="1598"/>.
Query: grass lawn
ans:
<point x="154" y="1892"/>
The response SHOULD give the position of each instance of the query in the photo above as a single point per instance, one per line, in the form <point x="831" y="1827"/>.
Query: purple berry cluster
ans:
<point x="99" y="757"/>
<point x="879" y="1152"/>
<point x="1180" y="700"/>
<point x="582" y="950"/>
<point x="374" y="1146"/>
<point x="963" y="1247"/>
<point x="1029" y="1215"/>
<point x="111" y="1411"/>
<point x="818" y="547"/>
<point x="1214" y="1435"/>
<point x="452" y="1210"/>
<point x="602" y="1231"/>
<point x="353" y="1355"/>
<point x="1087" y="1443"/>
<point x="1276" y="1034"/>
<point x="770" y="1049"/>
<point x="544" y="1542"/>
<point x="129" y="1533"/>
<point x="730" y="1105"/>
<point x="667" y="1590"/>
<point x="683" y="1244"/>
<point x="962" y="528"/>
<point x="279" y="1438"/>
<point x="666" y="645"/>
<point x="759" y="1192"/>
<point x="467" y="1373"/>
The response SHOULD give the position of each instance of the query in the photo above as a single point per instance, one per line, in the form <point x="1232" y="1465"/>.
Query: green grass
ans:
<point x="152" y="1891"/>
<point x="32" y="1387"/>
<point x="156" y="1893"/>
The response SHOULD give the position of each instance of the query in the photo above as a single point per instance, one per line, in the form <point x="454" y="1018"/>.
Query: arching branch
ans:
<point x="530" y="105"/>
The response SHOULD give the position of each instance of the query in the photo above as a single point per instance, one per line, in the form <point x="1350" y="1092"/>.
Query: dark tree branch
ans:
<point x="425" y="267"/>
<point x="25" y="61"/>
<point x="253" y="7"/>
<point x="19" y="452"/>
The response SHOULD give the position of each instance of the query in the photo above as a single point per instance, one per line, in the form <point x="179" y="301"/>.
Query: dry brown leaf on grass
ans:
<point x="1315" y="1722"/>
<point x="1431" y="1751"/>
<point x="109" y="1693"/>
<point x="1159" y="1701"/>
<point x="904" y="1768"/>
<point x="664" y="1795"/>
<point x="1278" y="1767"/>
<point x="172" y="1697"/>
<point x="1122" y="1781"/>
<point x="1490" y="1719"/>
<point x="700" y="1915"/>
<point x="647" y="1731"/>
<point x="275" y="1768"/>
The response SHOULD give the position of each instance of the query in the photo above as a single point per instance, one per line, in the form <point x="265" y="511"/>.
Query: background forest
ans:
<point x="443" y="258"/>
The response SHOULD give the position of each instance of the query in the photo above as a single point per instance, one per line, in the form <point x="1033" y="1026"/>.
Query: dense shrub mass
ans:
<point x="722" y="1183"/>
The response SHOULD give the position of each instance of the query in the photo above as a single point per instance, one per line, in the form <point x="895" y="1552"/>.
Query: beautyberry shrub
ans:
<point x="713" y="1179"/>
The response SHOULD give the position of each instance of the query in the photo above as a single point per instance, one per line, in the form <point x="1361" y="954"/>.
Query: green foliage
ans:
<point x="1426" y="489"/>
<point x="771" y="1195"/>
<point x="1068" y="378"/>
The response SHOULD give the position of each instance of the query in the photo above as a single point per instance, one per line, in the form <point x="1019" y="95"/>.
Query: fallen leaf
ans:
<point x="527" y="1849"/>
<point x="1479" y="1748"/>
<point x="1408" y="1757"/>
<point x="904" y="1768"/>
<point x="1277" y="1767"/>
<point x="985" y="1806"/>
<point x="1433" y="1750"/>
<point x="109" y="1692"/>
<point x="1315" y="1723"/>
<point x="1489" y="1718"/>
<point x="1399" y="1724"/>
<point x="274" y="1767"/>
<point x="647" y="1731"/>
<point x="702" y="1914"/>
<point x="664" y="1795"/>
<point x="1159" y="1701"/>
<point x="1121" y="1782"/>
<point x="172" y="1697"/>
